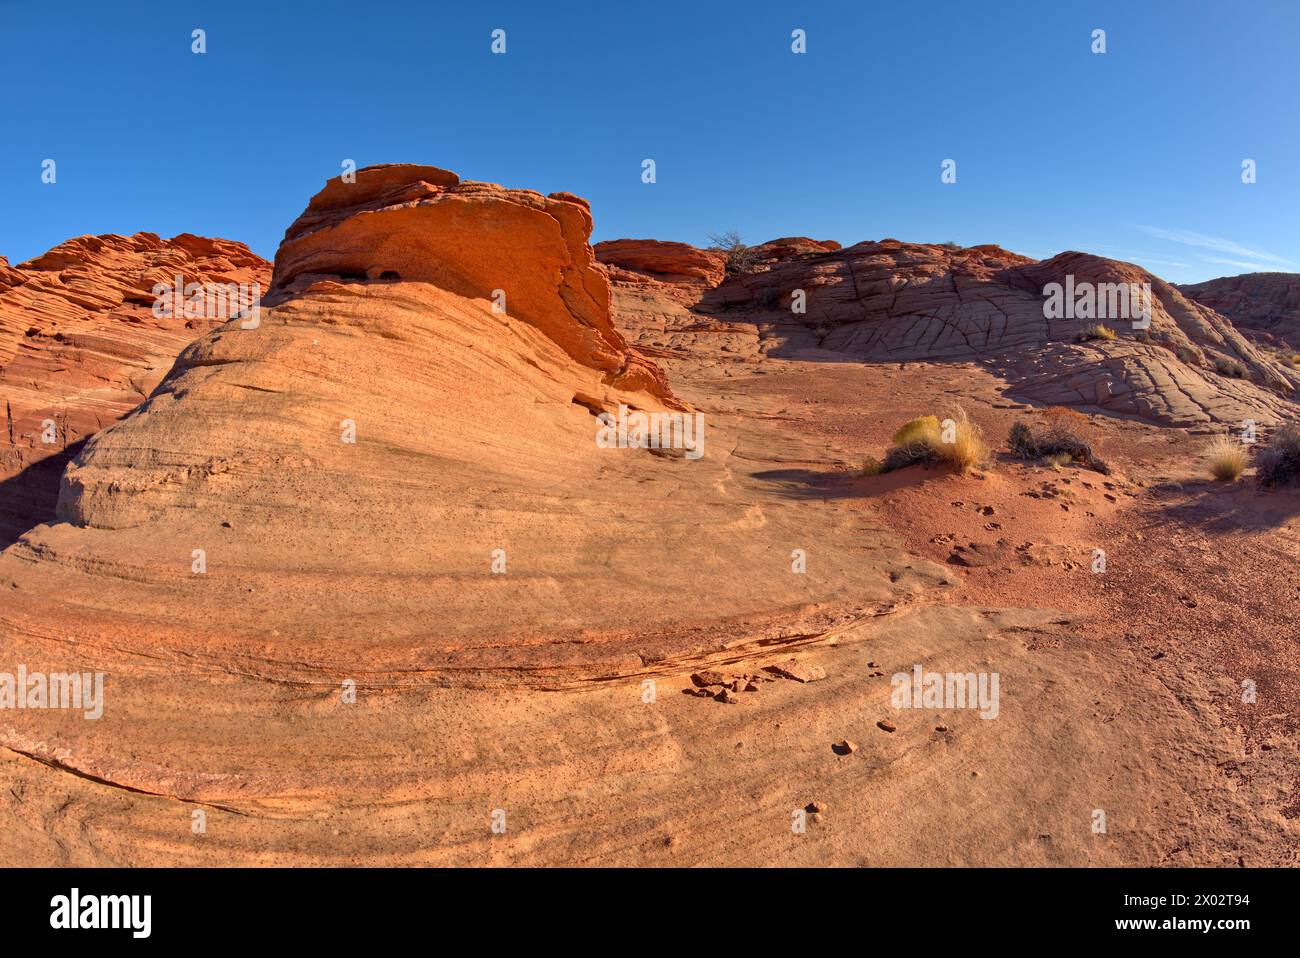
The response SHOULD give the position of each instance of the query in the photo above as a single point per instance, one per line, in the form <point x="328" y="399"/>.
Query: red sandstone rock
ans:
<point x="409" y="222"/>
<point x="80" y="346"/>
<point x="890" y="301"/>
<point x="1265" y="302"/>
<point x="664" y="261"/>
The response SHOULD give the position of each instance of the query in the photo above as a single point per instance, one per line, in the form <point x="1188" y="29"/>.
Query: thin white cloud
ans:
<point x="1159" y="262"/>
<point x="1250" y="267"/>
<point x="1133" y="256"/>
<point x="1216" y="243"/>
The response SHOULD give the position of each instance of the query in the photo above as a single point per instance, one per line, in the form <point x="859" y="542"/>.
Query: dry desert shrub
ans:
<point x="968" y="448"/>
<point x="1060" y="438"/>
<point x="1279" y="463"/>
<point x="956" y="441"/>
<point x="741" y="259"/>
<point x="1227" y="459"/>
<point x="916" y="429"/>
<point x="1096" y="331"/>
<point x="1229" y="367"/>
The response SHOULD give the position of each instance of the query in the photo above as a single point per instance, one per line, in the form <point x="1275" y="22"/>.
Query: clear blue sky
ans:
<point x="1134" y="154"/>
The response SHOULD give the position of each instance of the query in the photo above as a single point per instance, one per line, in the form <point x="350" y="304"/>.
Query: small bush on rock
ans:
<point x="1096" y="331"/>
<point x="741" y="259"/>
<point x="1230" y="367"/>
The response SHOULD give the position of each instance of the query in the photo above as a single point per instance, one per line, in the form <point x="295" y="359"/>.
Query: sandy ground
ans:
<point x="1120" y="692"/>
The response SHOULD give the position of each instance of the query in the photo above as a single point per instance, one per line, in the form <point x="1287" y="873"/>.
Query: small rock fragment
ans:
<point x="886" y="726"/>
<point x="709" y="677"/>
<point x="798" y="671"/>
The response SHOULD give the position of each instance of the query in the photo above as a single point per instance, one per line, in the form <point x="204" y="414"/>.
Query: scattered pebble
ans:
<point x="886" y="726"/>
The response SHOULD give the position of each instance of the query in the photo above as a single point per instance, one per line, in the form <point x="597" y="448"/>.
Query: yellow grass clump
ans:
<point x="955" y="440"/>
<point x="1227" y="459"/>
<point x="968" y="449"/>
<point x="916" y="430"/>
<point x="1096" y="331"/>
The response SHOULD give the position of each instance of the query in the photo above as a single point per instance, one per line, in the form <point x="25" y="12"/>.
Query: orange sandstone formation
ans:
<point x="81" y="345"/>
<point x="362" y="576"/>
<point x="528" y="254"/>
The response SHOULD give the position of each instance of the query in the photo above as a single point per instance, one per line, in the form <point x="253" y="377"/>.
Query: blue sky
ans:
<point x="1135" y="153"/>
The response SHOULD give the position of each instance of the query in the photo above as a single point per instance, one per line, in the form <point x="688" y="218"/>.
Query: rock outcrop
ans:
<point x="529" y="256"/>
<point x="1259" y="302"/>
<point x="361" y="579"/>
<point x="664" y="262"/>
<point x="387" y="455"/>
<point x="81" y="345"/>
<point x="889" y="301"/>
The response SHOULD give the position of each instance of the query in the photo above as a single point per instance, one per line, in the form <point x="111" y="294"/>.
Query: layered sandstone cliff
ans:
<point x="360" y="578"/>
<point x="889" y="301"/>
<point x="81" y="344"/>
<point x="1259" y="302"/>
